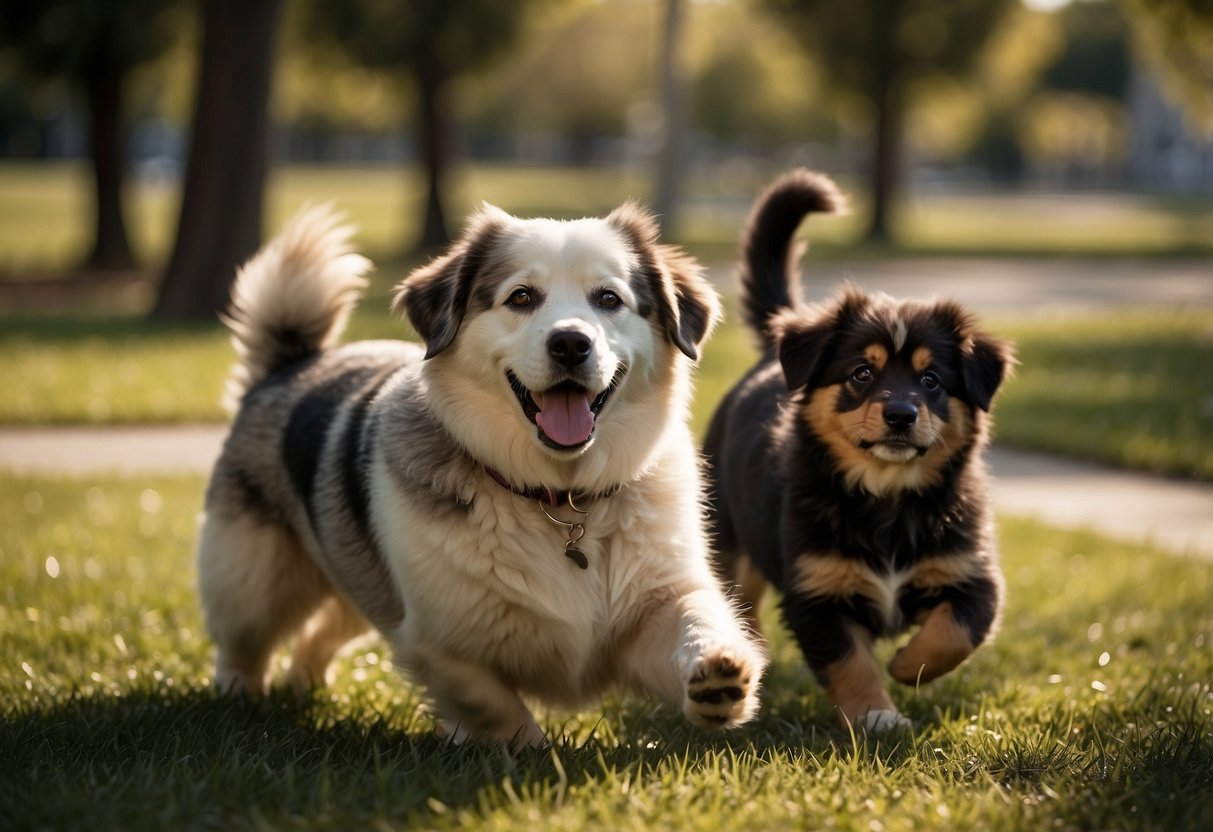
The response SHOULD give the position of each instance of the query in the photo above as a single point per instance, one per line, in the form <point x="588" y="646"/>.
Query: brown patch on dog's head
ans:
<point x="436" y="296"/>
<point x="669" y="280"/>
<point x="896" y="389"/>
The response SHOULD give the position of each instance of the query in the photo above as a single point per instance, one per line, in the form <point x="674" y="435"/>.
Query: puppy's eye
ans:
<point x="930" y="381"/>
<point x="519" y="298"/>
<point x="606" y="299"/>
<point x="862" y="374"/>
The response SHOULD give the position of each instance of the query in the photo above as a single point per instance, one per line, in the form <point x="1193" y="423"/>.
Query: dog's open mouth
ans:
<point x="892" y="447"/>
<point x="566" y="414"/>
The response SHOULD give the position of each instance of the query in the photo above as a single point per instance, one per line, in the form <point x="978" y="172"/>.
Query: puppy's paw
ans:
<point x="883" y="721"/>
<point x="722" y="687"/>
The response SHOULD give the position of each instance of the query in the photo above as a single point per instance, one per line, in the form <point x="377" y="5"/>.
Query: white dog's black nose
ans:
<point x="569" y="347"/>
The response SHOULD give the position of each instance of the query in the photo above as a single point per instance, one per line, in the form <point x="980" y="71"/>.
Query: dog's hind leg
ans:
<point x="332" y="626"/>
<point x="257" y="587"/>
<point x="472" y="701"/>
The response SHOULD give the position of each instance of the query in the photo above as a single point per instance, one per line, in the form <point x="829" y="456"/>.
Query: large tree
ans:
<point x="430" y="43"/>
<point x="878" y="51"/>
<point x="93" y="45"/>
<point x="221" y="205"/>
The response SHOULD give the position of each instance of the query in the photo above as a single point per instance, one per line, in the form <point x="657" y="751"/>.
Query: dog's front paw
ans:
<point x="722" y="688"/>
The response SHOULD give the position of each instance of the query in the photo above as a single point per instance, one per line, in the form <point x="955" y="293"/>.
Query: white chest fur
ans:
<point x="491" y="584"/>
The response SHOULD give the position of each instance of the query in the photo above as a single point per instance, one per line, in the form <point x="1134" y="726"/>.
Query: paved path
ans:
<point x="1175" y="515"/>
<point x="1025" y="286"/>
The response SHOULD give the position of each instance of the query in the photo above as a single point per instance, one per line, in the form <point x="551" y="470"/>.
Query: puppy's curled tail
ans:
<point x="770" y="278"/>
<point x="293" y="298"/>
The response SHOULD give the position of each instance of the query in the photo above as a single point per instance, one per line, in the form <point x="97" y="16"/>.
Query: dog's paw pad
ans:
<point x="721" y="690"/>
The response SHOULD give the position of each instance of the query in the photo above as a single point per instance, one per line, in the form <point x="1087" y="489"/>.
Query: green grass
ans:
<point x="1092" y="710"/>
<point x="45" y="210"/>
<point x="1130" y="388"/>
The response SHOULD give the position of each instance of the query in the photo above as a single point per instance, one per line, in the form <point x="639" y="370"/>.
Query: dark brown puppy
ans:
<point x="846" y="468"/>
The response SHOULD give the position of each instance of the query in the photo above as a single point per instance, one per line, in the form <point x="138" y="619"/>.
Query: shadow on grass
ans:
<point x="159" y="758"/>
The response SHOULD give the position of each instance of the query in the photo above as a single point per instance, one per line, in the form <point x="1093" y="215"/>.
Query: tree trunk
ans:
<point x="437" y="144"/>
<point x="107" y="148"/>
<point x="886" y="164"/>
<point x="221" y="207"/>
<point x="670" y="162"/>
<point x="885" y="94"/>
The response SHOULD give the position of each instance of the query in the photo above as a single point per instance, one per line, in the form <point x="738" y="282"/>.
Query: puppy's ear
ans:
<point x="435" y="296"/>
<point x="985" y="361"/>
<point x="805" y="338"/>
<point x="687" y="306"/>
<point x="803" y="345"/>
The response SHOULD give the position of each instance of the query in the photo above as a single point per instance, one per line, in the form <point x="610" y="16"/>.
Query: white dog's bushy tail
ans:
<point x="293" y="298"/>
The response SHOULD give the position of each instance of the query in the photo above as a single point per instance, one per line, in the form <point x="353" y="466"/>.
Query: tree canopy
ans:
<point x="431" y="43"/>
<point x="876" y="51"/>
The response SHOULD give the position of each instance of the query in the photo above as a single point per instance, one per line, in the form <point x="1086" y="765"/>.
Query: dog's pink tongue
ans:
<point x="565" y="416"/>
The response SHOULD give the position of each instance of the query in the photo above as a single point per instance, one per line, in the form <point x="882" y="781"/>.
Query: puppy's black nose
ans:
<point x="569" y="347"/>
<point x="900" y="415"/>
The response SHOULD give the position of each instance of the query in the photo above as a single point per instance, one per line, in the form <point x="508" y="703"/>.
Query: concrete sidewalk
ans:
<point x="1173" y="514"/>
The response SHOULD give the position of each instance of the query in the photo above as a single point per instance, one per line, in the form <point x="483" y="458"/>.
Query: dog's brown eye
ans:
<point x="930" y="381"/>
<point x="608" y="300"/>
<point x="862" y="374"/>
<point x="519" y="297"/>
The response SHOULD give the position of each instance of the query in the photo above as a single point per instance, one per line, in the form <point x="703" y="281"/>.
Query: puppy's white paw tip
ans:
<point x="883" y="720"/>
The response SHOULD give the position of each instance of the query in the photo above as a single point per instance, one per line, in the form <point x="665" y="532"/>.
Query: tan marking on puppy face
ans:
<point x="854" y="683"/>
<point x="952" y="435"/>
<point x="842" y="432"/>
<point x="938" y="647"/>
<point x="921" y="359"/>
<point x="876" y="355"/>
<point x="827" y="423"/>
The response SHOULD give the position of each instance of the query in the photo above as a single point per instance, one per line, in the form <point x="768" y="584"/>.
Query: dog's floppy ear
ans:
<point x="435" y="296"/>
<point x="687" y="305"/>
<point x="805" y="338"/>
<point x="804" y="346"/>
<point x="695" y="307"/>
<point x="985" y="361"/>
